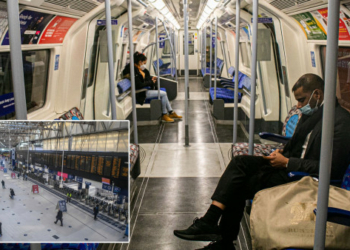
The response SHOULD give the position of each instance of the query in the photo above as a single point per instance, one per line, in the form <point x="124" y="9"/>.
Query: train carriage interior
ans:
<point x="227" y="67"/>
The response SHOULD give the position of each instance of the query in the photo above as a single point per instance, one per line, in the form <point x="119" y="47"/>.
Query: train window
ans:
<point x="35" y="67"/>
<point x="167" y="48"/>
<point x="244" y="52"/>
<point x="343" y="85"/>
<point x="190" y="43"/>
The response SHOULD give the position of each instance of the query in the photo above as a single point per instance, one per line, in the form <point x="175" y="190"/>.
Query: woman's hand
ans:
<point x="154" y="79"/>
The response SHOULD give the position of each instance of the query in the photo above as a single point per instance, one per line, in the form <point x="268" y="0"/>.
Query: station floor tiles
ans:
<point x="30" y="217"/>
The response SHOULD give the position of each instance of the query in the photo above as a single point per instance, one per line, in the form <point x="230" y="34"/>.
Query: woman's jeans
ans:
<point x="163" y="97"/>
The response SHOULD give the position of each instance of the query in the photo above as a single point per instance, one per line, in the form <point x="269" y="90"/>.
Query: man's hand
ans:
<point x="277" y="160"/>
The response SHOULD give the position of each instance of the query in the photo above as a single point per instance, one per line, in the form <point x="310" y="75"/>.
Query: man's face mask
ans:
<point x="307" y="110"/>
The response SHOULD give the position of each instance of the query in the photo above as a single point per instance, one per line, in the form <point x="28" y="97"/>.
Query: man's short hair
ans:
<point x="309" y="82"/>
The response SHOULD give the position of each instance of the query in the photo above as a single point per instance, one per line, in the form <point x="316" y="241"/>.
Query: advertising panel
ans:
<point x="311" y="26"/>
<point x="32" y="25"/>
<point x="57" y="30"/>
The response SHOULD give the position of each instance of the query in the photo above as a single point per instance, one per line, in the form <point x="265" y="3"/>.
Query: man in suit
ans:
<point x="246" y="175"/>
<point x="59" y="217"/>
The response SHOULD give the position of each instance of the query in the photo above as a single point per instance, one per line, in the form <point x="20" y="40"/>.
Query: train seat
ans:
<point x="219" y="65"/>
<point x="163" y="67"/>
<point x="226" y="93"/>
<point x="289" y="126"/>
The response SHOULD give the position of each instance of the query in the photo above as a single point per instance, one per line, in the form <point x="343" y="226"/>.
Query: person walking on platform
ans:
<point x="69" y="197"/>
<point x="246" y="175"/>
<point x="0" y="229"/>
<point x="96" y="208"/>
<point x="3" y="184"/>
<point x="12" y="193"/>
<point x="59" y="217"/>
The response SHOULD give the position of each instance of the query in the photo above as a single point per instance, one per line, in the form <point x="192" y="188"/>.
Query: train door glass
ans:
<point x="190" y="43"/>
<point x="343" y="81"/>
<point x="35" y="67"/>
<point x="244" y="50"/>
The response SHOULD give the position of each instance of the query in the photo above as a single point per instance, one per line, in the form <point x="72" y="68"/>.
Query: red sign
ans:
<point x="65" y="176"/>
<point x="343" y="21"/>
<point x="2" y="168"/>
<point x="56" y="31"/>
<point x="35" y="189"/>
<point x="105" y="180"/>
<point x="13" y="175"/>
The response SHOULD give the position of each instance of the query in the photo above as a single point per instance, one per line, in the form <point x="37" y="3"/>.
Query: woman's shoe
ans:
<point x="173" y="115"/>
<point x="166" y="118"/>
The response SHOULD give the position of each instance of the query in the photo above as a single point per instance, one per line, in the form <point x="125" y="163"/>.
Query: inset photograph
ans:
<point x="64" y="181"/>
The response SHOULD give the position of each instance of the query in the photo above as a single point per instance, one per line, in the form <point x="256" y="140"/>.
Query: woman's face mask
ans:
<point x="307" y="110"/>
<point x="143" y="66"/>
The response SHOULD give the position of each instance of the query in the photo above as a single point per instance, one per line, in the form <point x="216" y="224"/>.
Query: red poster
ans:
<point x="35" y="189"/>
<point x="343" y="29"/>
<point x="65" y="176"/>
<point x="105" y="180"/>
<point x="57" y="30"/>
<point x="13" y="175"/>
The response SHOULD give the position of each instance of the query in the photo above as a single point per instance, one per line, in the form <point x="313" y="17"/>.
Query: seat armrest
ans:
<point x="338" y="216"/>
<point x="274" y="137"/>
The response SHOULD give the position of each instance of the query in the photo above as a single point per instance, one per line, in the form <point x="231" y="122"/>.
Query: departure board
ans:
<point x="59" y="163"/>
<point x="108" y="166"/>
<point x="72" y="162"/>
<point x="116" y="167"/>
<point x="68" y="161"/>
<point x="65" y="161"/>
<point x="82" y="162"/>
<point x="88" y="163"/>
<point x="93" y="164"/>
<point x="77" y="161"/>
<point x="101" y="161"/>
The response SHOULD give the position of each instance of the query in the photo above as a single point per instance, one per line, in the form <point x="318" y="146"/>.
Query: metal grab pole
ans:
<point x="170" y="41"/>
<point x="175" y="60"/>
<point x="216" y="55"/>
<point x="63" y="125"/>
<point x="235" y="109"/>
<point x="157" y="53"/>
<point x="211" y="51"/>
<point x="132" y="74"/>
<point x="110" y="60"/>
<point x="205" y="51"/>
<point x="327" y="123"/>
<point x="16" y="60"/>
<point x="187" y="143"/>
<point x="253" y="80"/>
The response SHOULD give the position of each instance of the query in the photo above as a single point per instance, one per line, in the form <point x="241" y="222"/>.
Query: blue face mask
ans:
<point x="307" y="110"/>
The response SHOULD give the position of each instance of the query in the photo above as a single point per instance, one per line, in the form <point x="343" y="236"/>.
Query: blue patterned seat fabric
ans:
<point x="346" y="180"/>
<point x="225" y="94"/>
<point x="123" y="85"/>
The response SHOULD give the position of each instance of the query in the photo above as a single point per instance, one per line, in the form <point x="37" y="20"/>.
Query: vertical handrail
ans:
<point x="110" y="60"/>
<point x="327" y="123"/>
<point x="216" y="56"/>
<point x="16" y="60"/>
<point x="186" y="73"/>
<point x="170" y="41"/>
<point x="205" y="51"/>
<point x="253" y="79"/>
<point x="211" y="52"/>
<point x="157" y="54"/>
<point x="132" y="74"/>
<point x="175" y="50"/>
<point x="235" y="109"/>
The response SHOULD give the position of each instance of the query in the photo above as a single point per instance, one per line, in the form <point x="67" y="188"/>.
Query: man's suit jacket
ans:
<point x="341" y="148"/>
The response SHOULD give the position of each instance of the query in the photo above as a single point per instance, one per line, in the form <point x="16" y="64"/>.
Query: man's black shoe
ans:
<point x="199" y="231"/>
<point x="218" y="245"/>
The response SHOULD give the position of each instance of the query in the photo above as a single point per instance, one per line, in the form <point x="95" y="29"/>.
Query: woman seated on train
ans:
<point x="143" y="80"/>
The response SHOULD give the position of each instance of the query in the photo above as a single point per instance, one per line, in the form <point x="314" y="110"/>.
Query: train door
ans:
<point x="193" y="58"/>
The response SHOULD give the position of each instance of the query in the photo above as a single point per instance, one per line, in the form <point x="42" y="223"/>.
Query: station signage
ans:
<point x="7" y="104"/>
<point x="13" y="175"/>
<point x="104" y="22"/>
<point x="106" y="180"/>
<point x="35" y="189"/>
<point x="79" y="179"/>
<point x="106" y="187"/>
<point x="116" y="190"/>
<point x="62" y="205"/>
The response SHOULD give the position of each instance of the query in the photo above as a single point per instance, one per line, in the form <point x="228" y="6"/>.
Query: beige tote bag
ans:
<point x="283" y="217"/>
